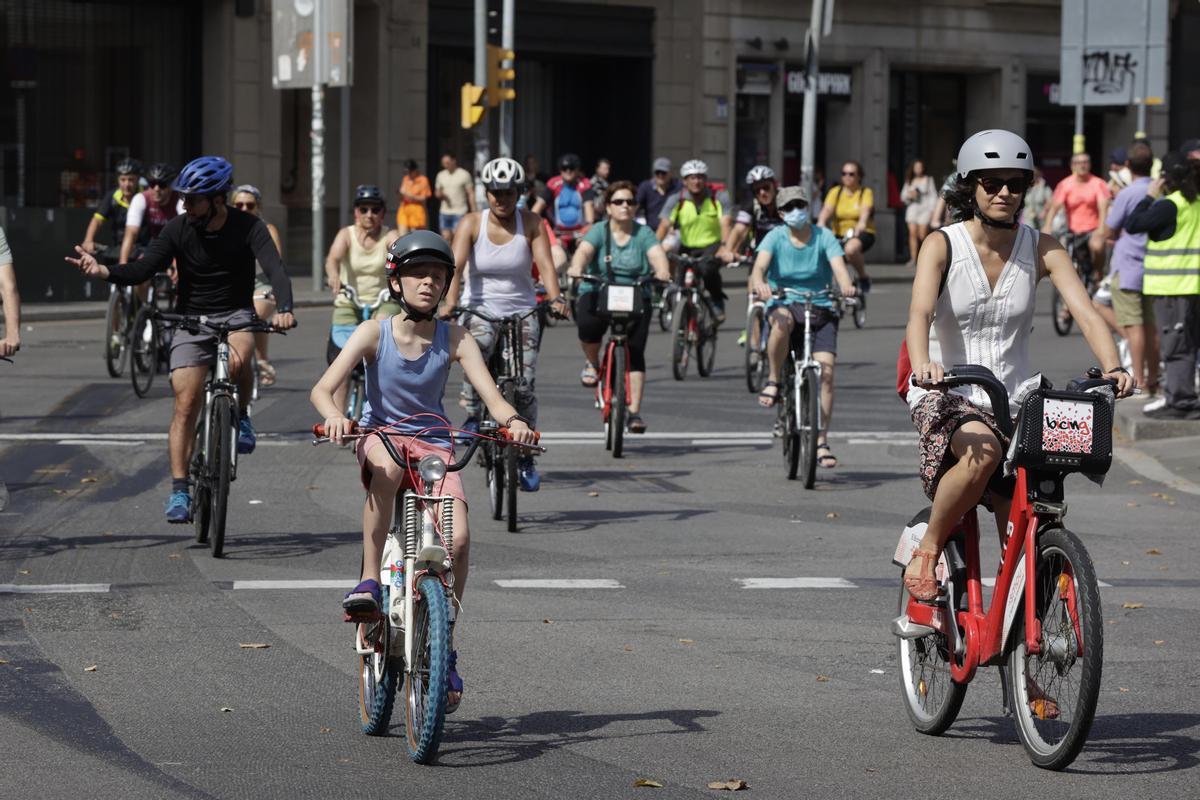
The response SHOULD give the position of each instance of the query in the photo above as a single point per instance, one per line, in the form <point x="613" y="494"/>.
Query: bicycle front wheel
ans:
<point x="787" y="421"/>
<point x="494" y="464"/>
<point x="616" y="416"/>
<point x="706" y="343"/>
<point x="681" y="345"/>
<point x="931" y="697"/>
<point x="220" y="451"/>
<point x="144" y="361"/>
<point x="860" y="313"/>
<point x="666" y="310"/>
<point x="378" y="676"/>
<point x="756" y="355"/>
<point x="116" y="343"/>
<point x="1054" y="692"/>
<point x="810" y="429"/>
<point x="425" y="679"/>
<point x="511" y="478"/>
<point x="201" y="507"/>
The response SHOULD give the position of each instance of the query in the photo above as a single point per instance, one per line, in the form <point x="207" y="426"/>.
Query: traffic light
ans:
<point x="472" y="108"/>
<point x="498" y="74"/>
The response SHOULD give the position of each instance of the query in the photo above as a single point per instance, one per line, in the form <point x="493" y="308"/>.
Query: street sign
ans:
<point x="293" y="23"/>
<point x="1115" y="51"/>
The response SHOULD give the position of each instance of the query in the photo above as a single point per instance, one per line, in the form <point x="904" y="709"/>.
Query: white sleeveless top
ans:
<point x="974" y="324"/>
<point x="500" y="278"/>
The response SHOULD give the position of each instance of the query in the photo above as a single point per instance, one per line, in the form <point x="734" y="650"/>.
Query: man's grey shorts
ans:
<point x="200" y="349"/>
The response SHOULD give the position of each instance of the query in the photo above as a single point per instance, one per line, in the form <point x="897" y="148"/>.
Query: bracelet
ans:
<point x="508" y="421"/>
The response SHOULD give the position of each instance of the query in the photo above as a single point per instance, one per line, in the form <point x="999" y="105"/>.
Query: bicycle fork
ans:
<point x="431" y="557"/>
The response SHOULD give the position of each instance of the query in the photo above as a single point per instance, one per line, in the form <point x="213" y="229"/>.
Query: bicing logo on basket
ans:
<point x="1067" y="426"/>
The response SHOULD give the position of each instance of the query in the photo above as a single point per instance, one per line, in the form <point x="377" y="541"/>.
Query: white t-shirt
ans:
<point x="456" y="186"/>
<point x="5" y="253"/>
<point x="137" y="210"/>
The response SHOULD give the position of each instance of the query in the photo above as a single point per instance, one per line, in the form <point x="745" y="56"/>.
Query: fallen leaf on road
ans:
<point x="1133" y="605"/>
<point x="646" y="783"/>
<point x="22" y="572"/>
<point x="869" y="769"/>
<point x="253" y="645"/>
<point x="60" y="491"/>
<point x="831" y="515"/>
<point x="114" y="615"/>
<point x="1154" y="551"/>
<point x="1131" y="505"/>
<point x="225" y="709"/>
<point x="1126" y="563"/>
<point x="92" y="668"/>
<point x="256" y="502"/>
<point x="1160" y="641"/>
<point x="877" y="672"/>
<point x="822" y="678"/>
<point x="1171" y="502"/>
<point x="686" y="641"/>
<point x="547" y="622"/>
<point x="313" y="487"/>
<point x="3" y="661"/>
<point x="1122" y="689"/>
<point x="731" y="785"/>
<point x="593" y="494"/>
<point x="326" y="730"/>
<point x="87" y="480"/>
<point x="1135" y="482"/>
<point x="628" y="649"/>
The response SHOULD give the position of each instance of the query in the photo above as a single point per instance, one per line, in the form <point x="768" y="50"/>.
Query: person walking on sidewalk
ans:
<point x="1172" y="276"/>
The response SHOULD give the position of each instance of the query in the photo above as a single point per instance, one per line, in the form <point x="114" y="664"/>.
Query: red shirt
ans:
<point x="1082" y="201"/>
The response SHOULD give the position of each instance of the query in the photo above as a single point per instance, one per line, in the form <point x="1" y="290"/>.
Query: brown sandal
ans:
<point x="923" y="589"/>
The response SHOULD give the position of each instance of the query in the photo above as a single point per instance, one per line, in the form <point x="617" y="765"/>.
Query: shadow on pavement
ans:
<point x="496" y="740"/>
<point x="253" y="545"/>
<point x="578" y="521"/>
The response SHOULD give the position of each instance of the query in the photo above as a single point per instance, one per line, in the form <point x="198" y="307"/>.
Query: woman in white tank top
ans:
<point x="494" y="251"/>
<point x="976" y="288"/>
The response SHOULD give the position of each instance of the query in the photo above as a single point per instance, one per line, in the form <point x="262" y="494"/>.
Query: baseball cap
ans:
<point x="1190" y="146"/>
<point x="662" y="164"/>
<point x="789" y="194"/>
<point x="1119" y="156"/>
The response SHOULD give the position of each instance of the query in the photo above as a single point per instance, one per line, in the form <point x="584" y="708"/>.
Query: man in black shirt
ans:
<point x="214" y="248"/>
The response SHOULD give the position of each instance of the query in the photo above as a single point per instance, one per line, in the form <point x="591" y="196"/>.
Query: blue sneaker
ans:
<point x="471" y="424"/>
<point x="363" y="601"/>
<point x="179" y="508"/>
<point x="531" y="481"/>
<point x="247" y="438"/>
<point x="454" y="683"/>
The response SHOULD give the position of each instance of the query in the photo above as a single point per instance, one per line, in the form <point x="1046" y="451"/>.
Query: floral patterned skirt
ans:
<point x="937" y="416"/>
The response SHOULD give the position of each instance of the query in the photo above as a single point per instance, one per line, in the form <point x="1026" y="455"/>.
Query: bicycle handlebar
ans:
<point x="495" y="432"/>
<point x="643" y="281"/>
<point x="783" y="292"/>
<point x="483" y="315"/>
<point x="351" y="294"/>
<point x="193" y="322"/>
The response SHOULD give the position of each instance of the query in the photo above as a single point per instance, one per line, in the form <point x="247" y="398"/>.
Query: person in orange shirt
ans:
<point x="414" y="191"/>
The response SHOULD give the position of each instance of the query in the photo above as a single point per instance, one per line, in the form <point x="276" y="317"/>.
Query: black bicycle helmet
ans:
<point x="368" y="193"/>
<point x="161" y="172"/>
<point x="129" y="166"/>
<point x="568" y="161"/>
<point x="419" y="247"/>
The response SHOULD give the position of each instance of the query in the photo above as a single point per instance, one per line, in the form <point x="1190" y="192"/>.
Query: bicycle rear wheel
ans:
<point x="666" y="310"/>
<point x="494" y="464"/>
<point x="220" y="449"/>
<point x="616" y="416"/>
<point x="1054" y="692"/>
<point x="425" y="678"/>
<point x="511" y="478"/>
<point x="809" y="397"/>
<point x="860" y="313"/>
<point x="931" y="697"/>
<point x="378" y="676"/>
<point x="681" y="345"/>
<point x="756" y="357"/>
<point x="201" y="507"/>
<point x="787" y="417"/>
<point x="116" y="343"/>
<point x="1063" y="322"/>
<point x="144" y="342"/>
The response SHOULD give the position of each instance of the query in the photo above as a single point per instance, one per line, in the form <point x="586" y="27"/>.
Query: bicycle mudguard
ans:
<point x="910" y="540"/>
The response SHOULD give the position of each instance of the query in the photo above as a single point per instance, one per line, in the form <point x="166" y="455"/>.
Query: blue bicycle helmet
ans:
<point x="205" y="175"/>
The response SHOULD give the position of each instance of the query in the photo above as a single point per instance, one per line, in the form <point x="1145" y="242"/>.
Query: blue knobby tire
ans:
<point x="378" y="678"/>
<point x="425" y="679"/>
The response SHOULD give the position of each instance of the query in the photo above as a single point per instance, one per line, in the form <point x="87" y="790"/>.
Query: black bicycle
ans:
<point x="150" y="340"/>
<point x="1081" y="257"/>
<point x="507" y="366"/>
<point x="694" y="318"/>
<point x="214" y="452"/>
<point x="799" y="400"/>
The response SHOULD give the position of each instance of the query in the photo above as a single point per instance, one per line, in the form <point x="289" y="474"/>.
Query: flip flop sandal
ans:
<point x="454" y="683"/>
<point x="826" y="459"/>
<point x="266" y="373"/>
<point x="589" y="377"/>
<point x="923" y="589"/>
<point x="636" y="424"/>
<point x="773" y="398"/>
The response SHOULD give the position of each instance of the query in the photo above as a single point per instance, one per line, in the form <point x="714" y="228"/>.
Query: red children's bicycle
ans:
<point x="1042" y="627"/>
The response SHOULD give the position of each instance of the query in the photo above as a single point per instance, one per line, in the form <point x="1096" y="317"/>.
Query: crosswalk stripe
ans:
<point x="54" y="588"/>
<point x="558" y="583"/>
<point x="795" y="583"/>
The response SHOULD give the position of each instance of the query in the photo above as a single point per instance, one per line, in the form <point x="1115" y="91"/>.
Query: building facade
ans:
<point x="628" y="80"/>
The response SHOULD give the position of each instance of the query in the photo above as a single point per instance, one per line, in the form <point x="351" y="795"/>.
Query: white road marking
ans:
<point x="34" y="436"/>
<point x="100" y="442"/>
<point x="992" y="582"/>
<point x="905" y="441"/>
<point x="310" y="583"/>
<point x="53" y="588"/>
<point x="795" y="583"/>
<point x="558" y="583"/>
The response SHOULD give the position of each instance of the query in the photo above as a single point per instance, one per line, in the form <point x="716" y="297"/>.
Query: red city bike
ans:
<point x="1043" y="625"/>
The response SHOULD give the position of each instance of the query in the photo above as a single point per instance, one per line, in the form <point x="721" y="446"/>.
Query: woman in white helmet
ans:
<point x="976" y="285"/>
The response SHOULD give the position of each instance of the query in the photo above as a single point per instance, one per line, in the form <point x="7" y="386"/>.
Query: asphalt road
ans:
<point x="138" y="688"/>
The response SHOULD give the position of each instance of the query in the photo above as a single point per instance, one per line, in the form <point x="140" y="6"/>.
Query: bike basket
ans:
<point x="616" y="299"/>
<point x="1064" y="432"/>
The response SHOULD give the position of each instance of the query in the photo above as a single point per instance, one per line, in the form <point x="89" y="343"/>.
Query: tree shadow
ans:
<point x="491" y="741"/>
<point x="264" y="546"/>
<point x="29" y="546"/>
<point x="1126" y="744"/>
<point x="617" y="480"/>
<point x="580" y="521"/>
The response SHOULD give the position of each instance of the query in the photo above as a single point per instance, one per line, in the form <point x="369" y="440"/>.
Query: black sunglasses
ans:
<point x="246" y="206"/>
<point x="661" y="172"/>
<point x="159" y="184"/>
<point x="622" y="201"/>
<point x="794" y="204"/>
<point x="369" y="209"/>
<point x="1016" y="185"/>
<point x="850" y="174"/>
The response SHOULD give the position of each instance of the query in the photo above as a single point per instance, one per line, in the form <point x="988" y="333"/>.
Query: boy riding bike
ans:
<point x="408" y="358"/>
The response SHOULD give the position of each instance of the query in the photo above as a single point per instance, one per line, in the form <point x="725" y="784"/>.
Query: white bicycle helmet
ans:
<point x="502" y="173"/>
<point x="759" y="173"/>
<point x="994" y="149"/>
<point x="693" y="167"/>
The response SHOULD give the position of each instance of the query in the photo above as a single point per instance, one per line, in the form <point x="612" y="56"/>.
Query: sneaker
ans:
<point x="531" y="481"/>
<point x="471" y="424"/>
<point x="1155" y="404"/>
<point x="864" y="284"/>
<point x="247" y="438"/>
<point x="179" y="508"/>
<point x="364" y="600"/>
<point x="742" y="339"/>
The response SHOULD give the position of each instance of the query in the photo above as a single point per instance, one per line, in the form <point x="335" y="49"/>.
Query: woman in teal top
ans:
<point x="802" y="256"/>
<point x="636" y="254"/>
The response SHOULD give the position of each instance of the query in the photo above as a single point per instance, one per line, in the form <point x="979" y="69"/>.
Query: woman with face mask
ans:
<point x="799" y="255"/>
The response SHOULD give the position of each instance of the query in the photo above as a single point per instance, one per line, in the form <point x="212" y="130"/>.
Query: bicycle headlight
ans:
<point x="431" y="468"/>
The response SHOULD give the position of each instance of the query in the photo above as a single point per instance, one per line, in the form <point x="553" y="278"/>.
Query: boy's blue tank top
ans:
<point x="398" y="387"/>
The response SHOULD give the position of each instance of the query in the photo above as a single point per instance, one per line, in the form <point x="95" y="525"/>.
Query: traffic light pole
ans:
<point x="808" y="127"/>
<point x="482" y="146"/>
<point x="506" y="108"/>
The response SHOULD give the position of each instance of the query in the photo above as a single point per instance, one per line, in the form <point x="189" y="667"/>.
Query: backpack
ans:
<point x="568" y="206"/>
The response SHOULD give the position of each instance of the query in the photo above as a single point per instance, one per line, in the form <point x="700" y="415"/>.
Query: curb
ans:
<point x="1135" y="426"/>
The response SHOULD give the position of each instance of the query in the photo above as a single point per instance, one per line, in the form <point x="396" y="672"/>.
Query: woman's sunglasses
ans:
<point x="793" y="205"/>
<point x="621" y="201"/>
<point x="246" y="206"/>
<point x="1016" y="185"/>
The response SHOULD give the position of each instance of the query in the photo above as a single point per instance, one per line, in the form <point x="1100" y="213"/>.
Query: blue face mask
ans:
<point x="796" y="218"/>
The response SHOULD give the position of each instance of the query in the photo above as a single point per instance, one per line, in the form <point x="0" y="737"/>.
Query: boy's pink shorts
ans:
<point x="415" y="448"/>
